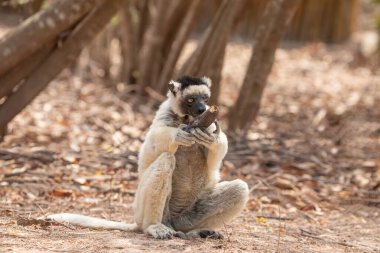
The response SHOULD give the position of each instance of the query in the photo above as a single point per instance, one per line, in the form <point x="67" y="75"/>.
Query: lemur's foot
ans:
<point x="204" y="233"/>
<point x="160" y="231"/>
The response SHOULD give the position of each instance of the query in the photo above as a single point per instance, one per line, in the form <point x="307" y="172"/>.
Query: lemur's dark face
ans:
<point x="191" y="95"/>
<point x="194" y="104"/>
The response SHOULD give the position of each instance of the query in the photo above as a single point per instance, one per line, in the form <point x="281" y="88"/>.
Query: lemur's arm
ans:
<point x="162" y="138"/>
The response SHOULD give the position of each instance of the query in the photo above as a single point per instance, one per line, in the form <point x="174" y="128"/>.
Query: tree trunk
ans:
<point x="99" y="52"/>
<point x="61" y="57"/>
<point x="33" y="6"/>
<point x="144" y="18"/>
<point x="216" y="72"/>
<point x="331" y="21"/>
<point x="128" y="46"/>
<point x="271" y="29"/>
<point x="134" y="18"/>
<point x="152" y="43"/>
<point x="179" y="41"/>
<point x="212" y="45"/>
<point x="175" y="18"/>
<point x="13" y="77"/>
<point x="155" y="52"/>
<point x="39" y="29"/>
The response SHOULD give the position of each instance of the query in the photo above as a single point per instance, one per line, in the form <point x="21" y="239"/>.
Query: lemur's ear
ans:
<point x="174" y="86"/>
<point x="207" y="81"/>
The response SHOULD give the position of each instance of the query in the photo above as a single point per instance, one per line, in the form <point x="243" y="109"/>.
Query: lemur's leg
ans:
<point x="215" y="207"/>
<point x="152" y="196"/>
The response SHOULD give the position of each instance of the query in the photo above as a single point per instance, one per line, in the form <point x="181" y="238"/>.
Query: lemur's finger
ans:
<point x="199" y="139"/>
<point x="186" y="136"/>
<point x="196" y="135"/>
<point x="204" y="135"/>
<point x="189" y="142"/>
<point x="203" y="143"/>
<point x="180" y="235"/>
<point x="183" y="132"/>
<point x="185" y="142"/>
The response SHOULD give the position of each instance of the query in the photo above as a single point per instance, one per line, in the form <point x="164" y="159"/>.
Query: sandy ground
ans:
<point x="311" y="160"/>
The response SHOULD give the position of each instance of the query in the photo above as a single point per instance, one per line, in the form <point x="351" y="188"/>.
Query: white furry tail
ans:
<point x="91" y="222"/>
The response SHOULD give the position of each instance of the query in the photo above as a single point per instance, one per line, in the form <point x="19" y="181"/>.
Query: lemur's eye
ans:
<point x="190" y="100"/>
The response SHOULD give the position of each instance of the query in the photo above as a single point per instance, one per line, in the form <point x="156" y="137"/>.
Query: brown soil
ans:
<point x="312" y="161"/>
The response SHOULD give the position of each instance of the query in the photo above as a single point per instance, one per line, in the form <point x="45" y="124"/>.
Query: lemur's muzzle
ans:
<point x="199" y="108"/>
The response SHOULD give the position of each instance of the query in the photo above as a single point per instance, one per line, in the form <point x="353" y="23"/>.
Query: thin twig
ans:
<point x="154" y="94"/>
<point x="279" y="231"/>
<point x="39" y="207"/>
<point x="42" y="156"/>
<point x="225" y="229"/>
<point x="264" y="181"/>
<point x="310" y="234"/>
<point x="274" y="217"/>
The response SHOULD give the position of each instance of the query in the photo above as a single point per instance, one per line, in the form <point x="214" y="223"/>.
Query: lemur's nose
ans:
<point x="201" y="109"/>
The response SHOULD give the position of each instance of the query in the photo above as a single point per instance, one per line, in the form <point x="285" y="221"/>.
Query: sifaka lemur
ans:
<point x="179" y="191"/>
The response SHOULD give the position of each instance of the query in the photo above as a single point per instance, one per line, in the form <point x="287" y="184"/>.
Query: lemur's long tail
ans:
<point x="91" y="222"/>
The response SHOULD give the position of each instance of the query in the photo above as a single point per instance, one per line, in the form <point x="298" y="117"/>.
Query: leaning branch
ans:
<point x="39" y="29"/>
<point x="57" y="60"/>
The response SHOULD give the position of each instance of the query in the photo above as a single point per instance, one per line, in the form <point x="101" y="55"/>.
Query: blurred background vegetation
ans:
<point x="149" y="36"/>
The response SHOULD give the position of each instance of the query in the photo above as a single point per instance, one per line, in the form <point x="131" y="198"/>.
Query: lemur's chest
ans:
<point x="189" y="177"/>
<point x="191" y="162"/>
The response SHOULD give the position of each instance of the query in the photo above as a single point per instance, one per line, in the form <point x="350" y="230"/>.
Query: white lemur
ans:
<point x="179" y="193"/>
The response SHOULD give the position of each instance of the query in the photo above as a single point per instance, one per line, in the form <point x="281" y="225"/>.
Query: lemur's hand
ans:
<point x="203" y="137"/>
<point x="184" y="138"/>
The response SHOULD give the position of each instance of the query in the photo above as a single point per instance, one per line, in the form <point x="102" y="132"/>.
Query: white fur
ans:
<point x="91" y="222"/>
<point x="196" y="90"/>
<point x="207" y="81"/>
<point x="217" y="151"/>
<point x="177" y="85"/>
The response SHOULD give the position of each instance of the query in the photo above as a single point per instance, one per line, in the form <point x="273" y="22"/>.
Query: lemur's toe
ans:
<point x="160" y="231"/>
<point x="204" y="233"/>
<point x="180" y="235"/>
<point x="210" y="234"/>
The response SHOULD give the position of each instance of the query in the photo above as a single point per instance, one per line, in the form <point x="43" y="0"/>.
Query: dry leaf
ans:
<point x="61" y="193"/>
<point x="261" y="220"/>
